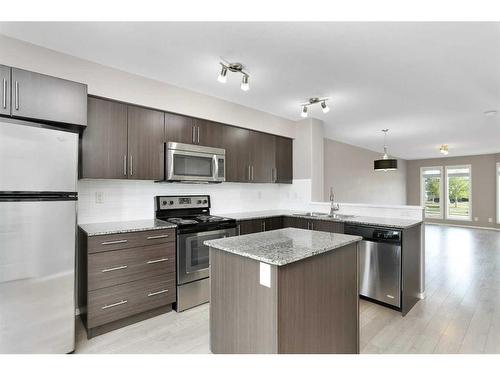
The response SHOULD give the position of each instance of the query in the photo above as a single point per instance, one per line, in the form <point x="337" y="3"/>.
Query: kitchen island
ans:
<point x="284" y="291"/>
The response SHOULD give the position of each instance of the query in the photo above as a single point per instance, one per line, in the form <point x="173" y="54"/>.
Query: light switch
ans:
<point x="265" y="274"/>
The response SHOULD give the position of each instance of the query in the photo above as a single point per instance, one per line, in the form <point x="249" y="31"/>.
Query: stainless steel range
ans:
<point x="195" y="225"/>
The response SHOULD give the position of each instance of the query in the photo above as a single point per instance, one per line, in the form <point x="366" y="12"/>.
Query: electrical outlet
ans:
<point x="476" y="219"/>
<point x="99" y="197"/>
<point x="490" y="220"/>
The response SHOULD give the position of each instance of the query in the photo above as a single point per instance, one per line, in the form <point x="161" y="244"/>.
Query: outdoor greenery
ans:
<point x="458" y="194"/>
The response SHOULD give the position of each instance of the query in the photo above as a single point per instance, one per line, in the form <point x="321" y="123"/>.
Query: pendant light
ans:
<point x="386" y="163"/>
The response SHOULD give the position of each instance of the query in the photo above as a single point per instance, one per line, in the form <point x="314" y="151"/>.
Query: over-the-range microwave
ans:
<point x="193" y="163"/>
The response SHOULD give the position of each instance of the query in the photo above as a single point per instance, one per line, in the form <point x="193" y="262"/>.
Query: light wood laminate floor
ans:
<point x="461" y="312"/>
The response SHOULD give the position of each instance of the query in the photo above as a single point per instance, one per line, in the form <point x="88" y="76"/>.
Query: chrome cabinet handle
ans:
<point x="113" y="242"/>
<point x="122" y="302"/>
<point x="4" y="93"/>
<point x="131" y="165"/>
<point x="239" y="230"/>
<point x="150" y="294"/>
<point x="16" y="96"/>
<point x="249" y="173"/>
<point x="193" y="131"/>
<point x="157" y="237"/>
<point x="157" y="261"/>
<point x="263" y="225"/>
<point x="198" y="135"/>
<point x="124" y="165"/>
<point x="114" y="269"/>
<point x="252" y="172"/>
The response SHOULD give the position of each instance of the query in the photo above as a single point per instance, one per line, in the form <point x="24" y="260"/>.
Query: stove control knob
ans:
<point x="171" y="203"/>
<point x="205" y="201"/>
<point x="199" y="201"/>
<point x="163" y="203"/>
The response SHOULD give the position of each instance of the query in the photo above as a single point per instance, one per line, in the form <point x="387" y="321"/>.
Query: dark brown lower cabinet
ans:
<point x="313" y="224"/>
<point x="125" y="278"/>
<point x="260" y="225"/>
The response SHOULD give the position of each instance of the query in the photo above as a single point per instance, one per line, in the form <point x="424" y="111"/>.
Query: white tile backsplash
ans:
<point x="117" y="200"/>
<point x="134" y="200"/>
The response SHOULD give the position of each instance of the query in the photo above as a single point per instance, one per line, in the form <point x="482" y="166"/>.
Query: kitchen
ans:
<point x="207" y="223"/>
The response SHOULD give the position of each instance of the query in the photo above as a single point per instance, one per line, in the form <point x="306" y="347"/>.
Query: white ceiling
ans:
<point x="429" y="83"/>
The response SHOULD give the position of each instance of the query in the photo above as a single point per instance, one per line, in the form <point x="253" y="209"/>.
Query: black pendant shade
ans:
<point x="385" y="164"/>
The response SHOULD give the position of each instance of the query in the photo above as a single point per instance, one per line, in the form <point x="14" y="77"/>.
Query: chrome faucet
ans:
<point x="334" y="207"/>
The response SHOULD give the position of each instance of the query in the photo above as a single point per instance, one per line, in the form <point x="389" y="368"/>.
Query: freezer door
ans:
<point x="37" y="276"/>
<point x="380" y="272"/>
<point x="37" y="159"/>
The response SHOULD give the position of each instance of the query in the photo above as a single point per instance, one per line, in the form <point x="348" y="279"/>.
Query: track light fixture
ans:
<point x="235" y="68"/>
<point x="305" y="106"/>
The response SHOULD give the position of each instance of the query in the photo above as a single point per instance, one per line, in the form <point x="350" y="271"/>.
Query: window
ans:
<point x="458" y="192"/>
<point x="431" y="188"/>
<point x="498" y="193"/>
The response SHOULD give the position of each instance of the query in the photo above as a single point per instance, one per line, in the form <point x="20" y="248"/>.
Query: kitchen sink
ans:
<point x="323" y="214"/>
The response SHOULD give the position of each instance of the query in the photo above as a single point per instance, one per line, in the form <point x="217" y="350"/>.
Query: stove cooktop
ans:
<point x="200" y="219"/>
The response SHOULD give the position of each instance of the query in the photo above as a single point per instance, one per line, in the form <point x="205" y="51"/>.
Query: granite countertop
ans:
<point x="282" y="246"/>
<point x="98" y="229"/>
<point x="368" y="220"/>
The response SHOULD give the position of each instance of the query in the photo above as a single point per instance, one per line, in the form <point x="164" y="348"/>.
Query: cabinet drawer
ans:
<point x="121" y="301"/>
<point x="127" y="240"/>
<point x="121" y="266"/>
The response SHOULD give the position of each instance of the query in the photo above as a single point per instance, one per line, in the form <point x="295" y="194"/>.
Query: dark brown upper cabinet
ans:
<point x="284" y="160"/>
<point x="262" y="157"/>
<point x="104" y="141"/>
<point x="179" y="128"/>
<point x="146" y="136"/>
<point x="236" y="141"/>
<point x="208" y="133"/>
<point x="5" y="90"/>
<point x="42" y="97"/>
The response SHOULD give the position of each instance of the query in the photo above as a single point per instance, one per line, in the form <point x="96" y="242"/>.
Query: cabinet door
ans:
<point x="295" y="222"/>
<point x="284" y="160"/>
<point x="236" y="143"/>
<point x="273" y="223"/>
<point x="179" y="128"/>
<point x="327" y="226"/>
<point x="104" y="141"/>
<point x="262" y="157"/>
<point x="47" y="98"/>
<point x="146" y="136"/>
<point x="250" y="226"/>
<point x="5" y="90"/>
<point x="209" y="133"/>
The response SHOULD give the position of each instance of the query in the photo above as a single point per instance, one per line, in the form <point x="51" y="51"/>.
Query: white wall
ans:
<point x="120" y="85"/>
<point x="349" y="170"/>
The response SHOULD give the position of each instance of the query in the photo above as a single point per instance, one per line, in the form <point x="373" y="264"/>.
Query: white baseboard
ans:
<point x="462" y="226"/>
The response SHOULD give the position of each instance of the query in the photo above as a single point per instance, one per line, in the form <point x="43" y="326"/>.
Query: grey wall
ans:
<point x="349" y="170"/>
<point x="483" y="186"/>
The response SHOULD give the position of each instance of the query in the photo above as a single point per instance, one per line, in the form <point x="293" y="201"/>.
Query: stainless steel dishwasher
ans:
<point x="379" y="263"/>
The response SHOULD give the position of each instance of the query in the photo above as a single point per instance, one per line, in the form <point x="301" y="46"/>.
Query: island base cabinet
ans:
<point x="310" y="306"/>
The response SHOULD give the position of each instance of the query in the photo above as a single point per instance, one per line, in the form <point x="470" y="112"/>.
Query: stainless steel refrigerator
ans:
<point x="38" y="176"/>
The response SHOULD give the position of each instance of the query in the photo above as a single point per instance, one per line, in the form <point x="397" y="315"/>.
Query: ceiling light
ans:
<point x="386" y="163"/>
<point x="244" y="83"/>
<point x="490" y="113"/>
<point x="222" y="75"/>
<point x="311" y="101"/>
<point x="235" y="68"/>
<point x="444" y="149"/>
<point x="324" y="107"/>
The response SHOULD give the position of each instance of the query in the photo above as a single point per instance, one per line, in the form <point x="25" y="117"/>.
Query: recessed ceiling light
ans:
<point x="490" y="113"/>
<point x="444" y="149"/>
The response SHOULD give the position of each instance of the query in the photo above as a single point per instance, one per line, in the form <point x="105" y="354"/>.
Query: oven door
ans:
<point x="192" y="254"/>
<point x="191" y="166"/>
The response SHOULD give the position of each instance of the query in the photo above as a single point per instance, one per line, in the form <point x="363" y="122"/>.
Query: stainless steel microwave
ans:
<point x="193" y="163"/>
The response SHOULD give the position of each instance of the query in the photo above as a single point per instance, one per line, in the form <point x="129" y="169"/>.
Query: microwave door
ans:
<point x="190" y="166"/>
<point x="220" y="168"/>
